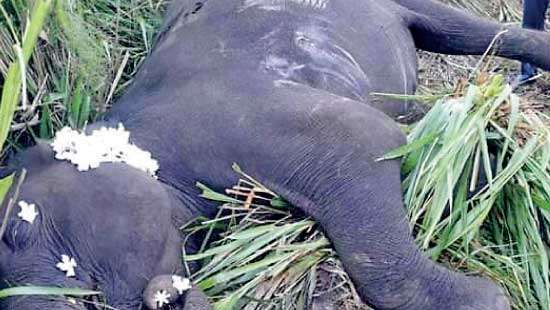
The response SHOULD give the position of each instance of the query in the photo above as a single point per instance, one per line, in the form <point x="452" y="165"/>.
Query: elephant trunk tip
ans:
<point x="161" y="290"/>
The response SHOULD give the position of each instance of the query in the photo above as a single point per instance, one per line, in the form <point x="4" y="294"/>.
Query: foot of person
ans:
<point x="528" y="72"/>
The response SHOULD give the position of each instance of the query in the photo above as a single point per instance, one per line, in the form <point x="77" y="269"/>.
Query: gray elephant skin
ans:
<point x="280" y="87"/>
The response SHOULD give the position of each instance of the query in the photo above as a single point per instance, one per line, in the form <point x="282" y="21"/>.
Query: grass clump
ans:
<point x="266" y="257"/>
<point x="477" y="187"/>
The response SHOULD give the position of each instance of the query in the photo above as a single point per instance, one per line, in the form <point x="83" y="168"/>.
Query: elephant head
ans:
<point x="112" y="229"/>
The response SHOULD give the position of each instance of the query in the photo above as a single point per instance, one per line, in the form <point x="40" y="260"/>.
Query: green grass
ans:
<point x="85" y="56"/>
<point x="45" y="291"/>
<point x="499" y="227"/>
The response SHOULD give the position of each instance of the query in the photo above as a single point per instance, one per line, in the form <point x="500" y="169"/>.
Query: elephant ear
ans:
<point x="5" y="252"/>
<point x="19" y="233"/>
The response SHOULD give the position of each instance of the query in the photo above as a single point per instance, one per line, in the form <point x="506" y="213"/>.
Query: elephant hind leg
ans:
<point x="439" y="28"/>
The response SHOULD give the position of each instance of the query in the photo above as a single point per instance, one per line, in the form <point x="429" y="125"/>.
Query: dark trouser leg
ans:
<point x="534" y="12"/>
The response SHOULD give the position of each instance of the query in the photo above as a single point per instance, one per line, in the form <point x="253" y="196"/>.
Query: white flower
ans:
<point x="181" y="284"/>
<point x="162" y="298"/>
<point x="28" y="212"/>
<point x="101" y="146"/>
<point x="67" y="264"/>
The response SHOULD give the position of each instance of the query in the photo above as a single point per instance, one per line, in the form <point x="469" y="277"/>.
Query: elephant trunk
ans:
<point x="159" y="291"/>
<point x="173" y="287"/>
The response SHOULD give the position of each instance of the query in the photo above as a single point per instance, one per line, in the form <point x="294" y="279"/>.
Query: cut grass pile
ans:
<point x="266" y="257"/>
<point x="476" y="168"/>
<point x="477" y="187"/>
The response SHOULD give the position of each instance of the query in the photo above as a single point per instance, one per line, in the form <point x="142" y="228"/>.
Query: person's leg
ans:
<point x="534" y="12"/>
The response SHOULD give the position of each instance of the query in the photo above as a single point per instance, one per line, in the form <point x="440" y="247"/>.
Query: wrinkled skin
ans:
<point x="282" y="88"/>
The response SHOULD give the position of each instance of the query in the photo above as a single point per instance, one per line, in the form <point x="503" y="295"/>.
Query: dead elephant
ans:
<point x="282" y="88"/>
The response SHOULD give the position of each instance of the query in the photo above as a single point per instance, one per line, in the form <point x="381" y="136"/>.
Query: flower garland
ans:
<point x="104" y="145"/>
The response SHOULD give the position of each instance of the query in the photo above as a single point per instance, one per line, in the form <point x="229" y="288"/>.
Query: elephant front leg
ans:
<point x="329" y="168"/>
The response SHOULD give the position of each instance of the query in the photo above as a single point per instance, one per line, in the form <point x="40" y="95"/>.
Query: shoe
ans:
<point x="528" y="72"/>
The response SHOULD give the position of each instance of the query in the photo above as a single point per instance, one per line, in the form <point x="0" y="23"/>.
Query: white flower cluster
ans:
<point x="104" y="145"/>
<point x="181" y="284"/>
<point x="67" y="265"/>
<point x="28" y="211"/>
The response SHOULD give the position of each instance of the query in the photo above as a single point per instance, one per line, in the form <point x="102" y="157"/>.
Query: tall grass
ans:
<point x="15" y="78"/>
<point x="85" y="56"/>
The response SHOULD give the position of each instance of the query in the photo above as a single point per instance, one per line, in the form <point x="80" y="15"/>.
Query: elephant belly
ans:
<point x="348" y="49"/>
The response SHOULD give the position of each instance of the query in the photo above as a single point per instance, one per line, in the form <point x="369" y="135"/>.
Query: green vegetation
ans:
<point x="84" y="57"/>
<point x="49" y="291"/>
<point x="477" y="187"/>
<point x="266" y="257"/>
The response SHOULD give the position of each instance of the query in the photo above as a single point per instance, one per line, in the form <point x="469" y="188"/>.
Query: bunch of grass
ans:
<point x="15" y="82"/>
<point x="266" y="257"/>
<point x="477" y="187"/>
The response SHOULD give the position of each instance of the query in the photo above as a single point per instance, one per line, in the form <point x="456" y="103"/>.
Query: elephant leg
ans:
<point x="320" y="152"/>
<point x="439" y="28"/>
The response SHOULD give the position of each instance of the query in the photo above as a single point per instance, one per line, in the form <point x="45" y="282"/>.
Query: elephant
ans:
<point x="280" y="87"/>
